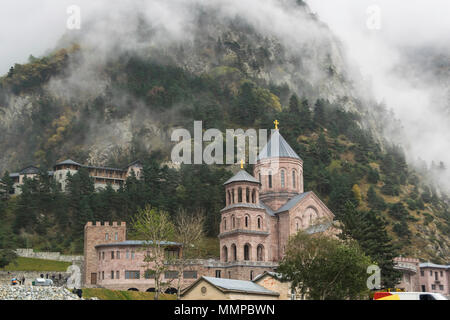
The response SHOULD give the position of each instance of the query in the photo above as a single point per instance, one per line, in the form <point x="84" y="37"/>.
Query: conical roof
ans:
<point x="68" y="162"/>
<point x="242" y="176"/>
<point x="277" y="147"/>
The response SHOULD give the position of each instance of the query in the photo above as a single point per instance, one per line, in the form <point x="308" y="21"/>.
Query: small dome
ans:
<point x="242" y="176"/>
<point x="277" y="147"/>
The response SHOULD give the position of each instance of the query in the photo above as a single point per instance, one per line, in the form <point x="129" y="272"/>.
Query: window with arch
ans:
<point x="259" y="220"/>
<point x="233" y="222"/>
<point x="246" y="252"/>
<point x="270" y="179"/>
<point x="233" y="252"/>
<point x="260" y="253"/>
<point x="293" y="179"/>
<point x="254" y="196"/>
<point x="247" y="195"/>
<point x="224" y="223"/>
<point x="259" y="175"/>
<point x="225" y="253"/>
<point x="239" y="194"/>
<point x="311" y="215"/>
<point x="251" y="275"/>
<point x="247" y="221"/>
<point x="298" y="224"/>
<point x="282" y="179"/>
<point x="232" y="195"/>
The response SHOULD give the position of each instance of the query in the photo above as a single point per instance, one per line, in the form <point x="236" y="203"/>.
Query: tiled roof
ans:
<point x="273" y="274"/>
<point x="433" y="265"/>
<point x="268" y="210"/>
<point x="69" y="162"/>
<point x="242" y="176"/>
<point x="277" y="147"/>
<point x="30" y="170"/>
<point x="318" y="228"/>
<point x="239" y="286"/>
<point x="244" y="205"/>
<point x="134" y="243"/>
<point x="291" y="203"/>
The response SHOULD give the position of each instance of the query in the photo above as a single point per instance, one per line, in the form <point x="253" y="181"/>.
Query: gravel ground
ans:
<point x="8" y="292"/>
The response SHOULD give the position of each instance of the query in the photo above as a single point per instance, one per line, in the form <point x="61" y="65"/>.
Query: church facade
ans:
<point x="262" y="211"/>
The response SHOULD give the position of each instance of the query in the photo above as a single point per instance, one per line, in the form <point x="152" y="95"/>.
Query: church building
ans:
<point x="262" y="211"/>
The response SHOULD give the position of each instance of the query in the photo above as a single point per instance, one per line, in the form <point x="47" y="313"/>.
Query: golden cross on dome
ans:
<point x="276" y="122"/>
<point x="242" y="163"/>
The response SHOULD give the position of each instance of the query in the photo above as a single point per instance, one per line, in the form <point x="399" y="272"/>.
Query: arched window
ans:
<point x="224" y="223"/>
<point x="225" y="253"/>
<point x="270" y="179"/>
<point x="229" y="197"/>
<point x="232" y="195"/>
<point x="246" y="252"/>
<point x="260" y="253"/>
<point x="247" y="195"/>
<point x="298" y="224"/>
<point x="259" y="174"/>
<point x="254" y="196"/>
<point x="282" y="179"/>
<point x="233" y="222"/>
<point x="239" y="194"/>
<point x="246" y="221"/>
<point x="293" y="179"/>
<point x="259" y="222"/>
<point x="251" y="275"/>
<point x="233" y="252"/>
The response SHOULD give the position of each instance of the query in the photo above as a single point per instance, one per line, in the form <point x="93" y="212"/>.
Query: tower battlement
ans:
<point x="95" y="234"/>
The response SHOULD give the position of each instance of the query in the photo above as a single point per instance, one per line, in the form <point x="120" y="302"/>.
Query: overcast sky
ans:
<point x="33" y="26"/>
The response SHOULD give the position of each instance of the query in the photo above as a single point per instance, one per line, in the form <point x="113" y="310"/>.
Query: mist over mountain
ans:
<point x="113" y="91"/>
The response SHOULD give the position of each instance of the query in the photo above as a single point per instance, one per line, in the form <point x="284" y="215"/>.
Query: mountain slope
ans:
<point x="108" y="107"/>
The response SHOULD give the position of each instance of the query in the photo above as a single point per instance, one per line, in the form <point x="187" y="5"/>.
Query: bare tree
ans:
<point x="155" y="228"/>
<point x="189" y="233"/>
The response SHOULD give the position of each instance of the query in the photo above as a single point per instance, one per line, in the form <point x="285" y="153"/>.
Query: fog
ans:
<point x="417" y="97"/>
<point x="387" y="59"/>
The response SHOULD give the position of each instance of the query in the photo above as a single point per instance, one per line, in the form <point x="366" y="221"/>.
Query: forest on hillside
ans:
<point x="370" y="188"/>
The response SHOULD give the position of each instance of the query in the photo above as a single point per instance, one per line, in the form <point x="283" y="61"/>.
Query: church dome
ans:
<point x="242" y="176"/>
<point x="277" y="147"/>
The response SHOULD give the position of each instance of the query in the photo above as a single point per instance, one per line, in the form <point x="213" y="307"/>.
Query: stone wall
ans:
<point x="29" y="253"/>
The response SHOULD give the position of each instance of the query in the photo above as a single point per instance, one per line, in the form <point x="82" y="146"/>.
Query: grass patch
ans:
<point x="33" y="264"/>
<point x="106" y="294"/>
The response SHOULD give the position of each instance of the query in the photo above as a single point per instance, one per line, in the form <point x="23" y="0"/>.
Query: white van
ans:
<point x="411" y="296"/>
<point x="43" y="282"/>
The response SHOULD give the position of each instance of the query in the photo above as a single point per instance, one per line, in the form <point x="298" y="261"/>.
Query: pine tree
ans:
<point x="369" y="230"/>
<point x="294" y="107"/>
<point x="305" y="116"/>
<point x="319" y="114"/>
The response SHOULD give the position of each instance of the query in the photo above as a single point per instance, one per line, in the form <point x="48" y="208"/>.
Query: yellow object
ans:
<point x="276" y="122"/>
<point x="242" y="164"/>
<point x="391" y="297"/>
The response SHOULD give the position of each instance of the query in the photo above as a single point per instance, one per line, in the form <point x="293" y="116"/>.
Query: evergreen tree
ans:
<point x="305" y="116"/>
<point x="321" y="149"/>
<point x="294" y="107"/>
<point x="319" y="114"/>
<point x="375" y="202"/>
<point x="369" y="230"/>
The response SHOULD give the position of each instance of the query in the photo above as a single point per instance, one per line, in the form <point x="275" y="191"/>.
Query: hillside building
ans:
<point x="102" y="176"/>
